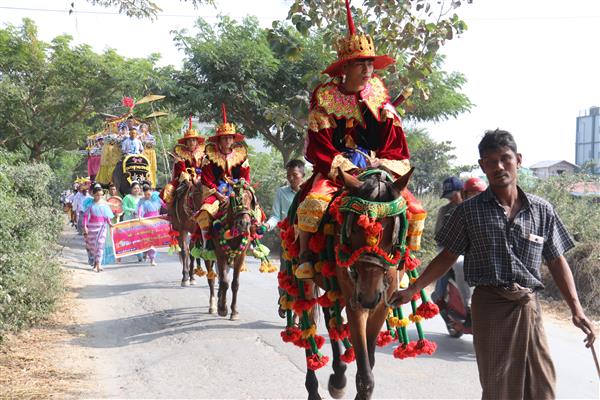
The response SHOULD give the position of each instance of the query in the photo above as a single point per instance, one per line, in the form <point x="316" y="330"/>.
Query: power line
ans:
<point x="115" y="13"/>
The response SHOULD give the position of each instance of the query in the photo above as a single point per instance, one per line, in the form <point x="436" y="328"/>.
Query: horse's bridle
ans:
<point x="374" y="210"/>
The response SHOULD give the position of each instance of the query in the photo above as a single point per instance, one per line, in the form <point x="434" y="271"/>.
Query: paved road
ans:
<point x="150" y="338"/>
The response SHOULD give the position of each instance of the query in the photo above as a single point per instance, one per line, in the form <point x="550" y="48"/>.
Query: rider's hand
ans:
<point x="400" y="297"/>
<point x="374" y="163"/>
<point x="581" y="321"/>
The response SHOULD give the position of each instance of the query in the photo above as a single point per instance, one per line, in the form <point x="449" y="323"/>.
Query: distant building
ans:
<point x="545" y="169"/>
<point x="587" y="142"/>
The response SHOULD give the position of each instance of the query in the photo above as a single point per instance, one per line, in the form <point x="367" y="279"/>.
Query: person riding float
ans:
<point x="189" y="153"/>
<point x="225" y="163"/>
<point x="352" y="125"/>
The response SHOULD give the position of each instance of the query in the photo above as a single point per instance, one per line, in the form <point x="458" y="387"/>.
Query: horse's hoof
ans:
<point x="192" y="281"/>
<point x="234" y="317"/>
<point x="336" y="393"/>
<point x="222" y="312"/>
<point x="185" y="282"/>
<point x="212" y="309"/>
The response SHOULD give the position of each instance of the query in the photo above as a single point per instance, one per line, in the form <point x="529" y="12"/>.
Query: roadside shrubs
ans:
<point x="30" y="224"/>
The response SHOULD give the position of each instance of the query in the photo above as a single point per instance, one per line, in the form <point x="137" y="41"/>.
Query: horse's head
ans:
<point x="373" y="233"/>
<point x="242" y="207"/>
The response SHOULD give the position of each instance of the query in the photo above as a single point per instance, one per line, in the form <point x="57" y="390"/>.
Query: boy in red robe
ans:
<point x="352" y="125"/>
<point x="189" y="153"/>
<point x="225" y="162"/>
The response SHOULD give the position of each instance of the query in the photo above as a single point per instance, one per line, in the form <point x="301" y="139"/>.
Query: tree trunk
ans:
<point x="36" y="152"/>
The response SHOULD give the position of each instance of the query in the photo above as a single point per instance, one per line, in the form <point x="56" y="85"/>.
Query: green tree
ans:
<point x="137" y="8"/>
<point x="264" y="85"/>
<point x="50" y="93"/>
<point x="412" y="32"/>
<point x="432" y="161"/>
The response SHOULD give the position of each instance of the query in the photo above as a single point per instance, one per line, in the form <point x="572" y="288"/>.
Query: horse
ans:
<point x="362" y="253"/>
<point x="187" y="201"/>
<point x="231" y="236"/>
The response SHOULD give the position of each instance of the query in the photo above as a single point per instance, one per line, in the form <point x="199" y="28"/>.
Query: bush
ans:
<point x="30" y="278"/>
<point x="581" y="216"/>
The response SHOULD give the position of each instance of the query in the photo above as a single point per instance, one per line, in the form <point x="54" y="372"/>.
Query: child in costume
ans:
<point x="225" y="163"/>
<point x="189" y="154"/>
<point x="130" y="203"/>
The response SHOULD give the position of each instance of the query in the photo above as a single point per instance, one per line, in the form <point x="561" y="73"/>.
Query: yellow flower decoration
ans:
<point x="416" y="318"/>
<point x="312" y="331"/>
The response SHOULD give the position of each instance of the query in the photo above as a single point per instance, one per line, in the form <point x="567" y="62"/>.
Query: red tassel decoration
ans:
<point x="224" y="110"/>
<point x="351" y="28"/>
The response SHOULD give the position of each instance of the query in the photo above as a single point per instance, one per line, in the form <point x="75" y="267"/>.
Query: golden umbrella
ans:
<point x="157" y="114"/>
<point x="149" y="98"/>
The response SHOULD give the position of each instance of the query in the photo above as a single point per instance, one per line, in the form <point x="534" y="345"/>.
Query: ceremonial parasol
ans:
<point x="149" y="98"/>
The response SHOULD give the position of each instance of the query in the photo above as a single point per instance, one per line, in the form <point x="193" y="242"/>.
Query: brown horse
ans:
<point x="187" y="202"/>
<point x="231" y="239"/>
<point x="364" y="283"/>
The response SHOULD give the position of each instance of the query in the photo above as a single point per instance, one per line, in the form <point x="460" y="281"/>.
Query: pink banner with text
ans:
<point x="139" y="235"/>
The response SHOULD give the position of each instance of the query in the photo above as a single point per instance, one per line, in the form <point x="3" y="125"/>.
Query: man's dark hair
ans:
<point x="496" y="139"/>
<point x="295" y="164"/>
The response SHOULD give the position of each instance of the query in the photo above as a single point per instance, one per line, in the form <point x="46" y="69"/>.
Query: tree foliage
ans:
<point x="264" y="85"/>
<point x="137" y="8"/>
<point x="432" y="161"/>
<point x="51" y="93"/>
<point x="412" y="32"/>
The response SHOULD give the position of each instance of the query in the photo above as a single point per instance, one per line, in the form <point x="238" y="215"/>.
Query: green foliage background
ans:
<point x="30" y="276"/>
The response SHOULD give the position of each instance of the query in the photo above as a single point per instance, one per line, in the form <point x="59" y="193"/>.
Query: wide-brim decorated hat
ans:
<point x="226" y="129"/>
<point x="191" y="134"/>
<point x="356" y="47"/>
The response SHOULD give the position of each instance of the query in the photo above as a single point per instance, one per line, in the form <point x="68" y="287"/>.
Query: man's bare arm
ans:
<point x="434" y="271"/>
<point x="561" y="273"/>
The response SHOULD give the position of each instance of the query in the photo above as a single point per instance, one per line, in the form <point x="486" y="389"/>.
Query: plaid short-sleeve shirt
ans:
<point x="499" y="252"/>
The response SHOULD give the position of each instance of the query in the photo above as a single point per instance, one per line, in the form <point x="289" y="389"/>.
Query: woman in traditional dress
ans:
<point x="149" y="206"/>
<point x="96" y="221"/>
<point x="130" y="203"/>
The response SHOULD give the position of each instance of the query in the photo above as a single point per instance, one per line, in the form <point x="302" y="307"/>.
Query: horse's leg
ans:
<point x="374" y="324"/>
<point x="212" y="308"/>
<point x="311" y="382"/>
<point x="184" y="257"/>
<point x="223" y="286"/>
<point x="191" y="269"/>
<point x="235" y="285"/>
<point x="365" y="383"/>
<point x="337" y="381"/>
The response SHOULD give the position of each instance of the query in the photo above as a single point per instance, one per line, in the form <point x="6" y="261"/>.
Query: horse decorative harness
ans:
<point x="344" y="210"/>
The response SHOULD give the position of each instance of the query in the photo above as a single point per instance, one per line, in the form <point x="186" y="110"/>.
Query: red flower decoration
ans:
<point x="348" y="356"/>
<point x="305" y="344"/>
<point x="416" y="297"/>
<point x="339" y="334"/>
<point x="384" y="338"/>
<point x="127" y="102"/>
<point x="303" y="305"/>
<point x="283" y="225"/>
<point x="324" y="301"/>
<point x="316" y="243"/>
<point x="428" y="310"/>
<point x="328" y="269"/>
<point x="291" y="334"/>
<point x="405" y="351"/>
<point x="316" y="361"/>
<point x="424" y="346"/>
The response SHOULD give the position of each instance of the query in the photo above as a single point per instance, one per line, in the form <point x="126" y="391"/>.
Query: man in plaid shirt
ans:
<point x="504" y="233"/>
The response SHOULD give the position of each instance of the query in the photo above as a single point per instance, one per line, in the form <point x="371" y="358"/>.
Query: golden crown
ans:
<point x="355" y="46"/>
<point x="226" y="128"/>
